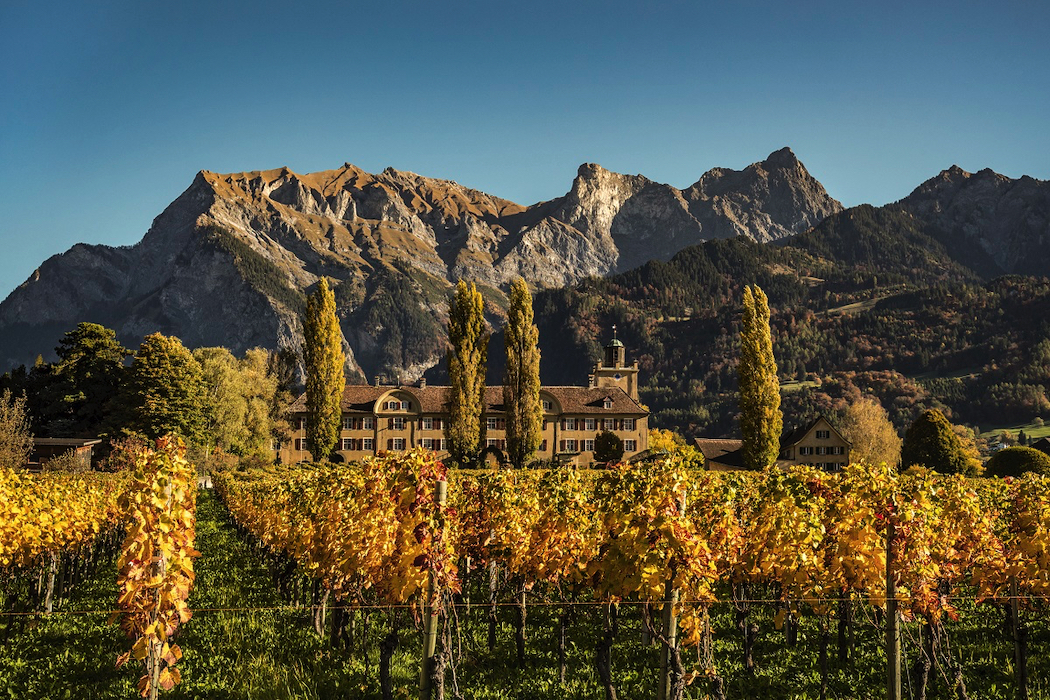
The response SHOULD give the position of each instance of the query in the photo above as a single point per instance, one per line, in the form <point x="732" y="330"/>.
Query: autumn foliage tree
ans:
<point x="761" y="421"/>
<point x="874" y="439"/>
<point x="323" y="355"/>
<point x="467" y="357"/>
<point x="521" y="379"/>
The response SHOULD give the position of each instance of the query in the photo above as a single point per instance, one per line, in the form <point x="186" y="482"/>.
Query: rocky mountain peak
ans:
<point x="393" y="243"/>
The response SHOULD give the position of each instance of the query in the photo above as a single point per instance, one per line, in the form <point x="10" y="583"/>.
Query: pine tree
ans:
<point x="165" y="392"/>
<point x="324" y="359"/>
<point x="761" y="421"/>
<point x="521" y="380"/>
<point x="465" y="431"/>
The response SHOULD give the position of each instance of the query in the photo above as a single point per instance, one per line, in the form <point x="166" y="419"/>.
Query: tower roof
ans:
<point x="615" y="344"/>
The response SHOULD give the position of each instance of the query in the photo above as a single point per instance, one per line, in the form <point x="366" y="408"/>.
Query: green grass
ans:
<point x="1030" y="429"/>
<point x="268" y="655"/>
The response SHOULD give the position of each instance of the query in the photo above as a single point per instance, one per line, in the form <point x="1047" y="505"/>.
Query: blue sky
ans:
<point x="108" y="109"/>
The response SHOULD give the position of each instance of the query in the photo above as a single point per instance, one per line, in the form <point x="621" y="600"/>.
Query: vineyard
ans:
<point x="398" y="578"/>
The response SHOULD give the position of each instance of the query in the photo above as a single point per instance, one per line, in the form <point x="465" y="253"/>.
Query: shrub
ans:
<point x="1015" y="461"/>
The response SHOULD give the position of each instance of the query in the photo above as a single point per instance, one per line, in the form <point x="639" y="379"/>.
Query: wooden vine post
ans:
<point x="1018" y="633"/>
<point x="893" y="640"/>
<point x="431" y="614"/>
<point x="670" y="623"/>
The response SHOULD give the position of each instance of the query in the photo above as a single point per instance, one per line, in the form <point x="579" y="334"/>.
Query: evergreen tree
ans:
<point x="165" y="392"/>
<point x="324" y="359"/>
<point x="761" y="421"/>
<point x="521" y="380"/>
<point x="85" y="381"/>
<point x="608" y="447"/>
<point x="465" y="431"/>
<point x="932" y="443"/>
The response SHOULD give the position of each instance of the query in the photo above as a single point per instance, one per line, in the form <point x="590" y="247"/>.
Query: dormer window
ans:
<point x="607" y="404"/>
<point x="546" y="404"/>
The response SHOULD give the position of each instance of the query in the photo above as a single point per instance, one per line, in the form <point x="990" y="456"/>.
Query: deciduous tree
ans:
<point x="867" y="426"/>
<point x="465" y="431"/>
<point x="608" y="447"/>
<point x="521" y="379"/>
<point x="761" y="421"/>
<point x="324" y="359"/>
<point x="16" y="440"/>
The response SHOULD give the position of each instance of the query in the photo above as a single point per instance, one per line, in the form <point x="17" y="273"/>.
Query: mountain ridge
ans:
<point x="392" y="242"/>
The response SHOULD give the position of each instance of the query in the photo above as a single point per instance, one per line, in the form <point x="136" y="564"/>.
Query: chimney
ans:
<point x="377" y="380"/>
<point x="590" y="381"/>
<point x="422" y="382"/>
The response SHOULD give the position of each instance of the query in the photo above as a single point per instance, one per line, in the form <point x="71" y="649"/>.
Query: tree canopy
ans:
<point x="165" y="392"/>
<point x="761" y="421"/>
<point x="931" y="442"/>
<point x="324" y="359"/>
<point x="874" y="439"/>
<point x="467" y="356"/>
<point x="521" y="379"/>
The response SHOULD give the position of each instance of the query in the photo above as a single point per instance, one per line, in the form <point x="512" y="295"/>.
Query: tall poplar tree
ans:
<point x="324" y="359"/>
<point x="761" y="421"/>
<point x="521" y="379"/>
<point x="467" y="357"/>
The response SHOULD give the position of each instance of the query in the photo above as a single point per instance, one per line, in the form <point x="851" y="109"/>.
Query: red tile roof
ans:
<point x="361" y="398"/>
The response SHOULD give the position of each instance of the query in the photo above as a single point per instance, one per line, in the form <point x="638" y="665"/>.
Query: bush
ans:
<point x="1015" y="461"/>
<point x="608" y="447"/>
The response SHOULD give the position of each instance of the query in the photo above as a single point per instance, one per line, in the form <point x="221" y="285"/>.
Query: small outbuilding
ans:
<point x="46" y="449"/>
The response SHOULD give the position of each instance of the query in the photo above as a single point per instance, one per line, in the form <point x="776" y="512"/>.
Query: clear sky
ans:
<point x="108" y="109"/>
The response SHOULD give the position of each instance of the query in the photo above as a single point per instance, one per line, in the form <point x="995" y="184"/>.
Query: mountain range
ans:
<point x="230" y="260"/>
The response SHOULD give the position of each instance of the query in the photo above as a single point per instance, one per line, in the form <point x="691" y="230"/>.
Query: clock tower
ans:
<point x="614" y="371"/>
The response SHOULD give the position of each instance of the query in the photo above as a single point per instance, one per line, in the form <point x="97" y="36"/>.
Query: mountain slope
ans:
<point x="229" y="261"/>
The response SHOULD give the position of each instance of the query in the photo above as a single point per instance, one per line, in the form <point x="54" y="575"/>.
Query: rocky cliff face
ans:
<point x="987" y="215"/>
<point x="229" y="261"/>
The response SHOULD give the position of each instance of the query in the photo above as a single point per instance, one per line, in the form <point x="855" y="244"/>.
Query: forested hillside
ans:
<point x="866" y="302"/>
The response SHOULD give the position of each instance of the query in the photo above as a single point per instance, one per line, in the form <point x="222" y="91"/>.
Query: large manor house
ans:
<point x="392" y="418"/>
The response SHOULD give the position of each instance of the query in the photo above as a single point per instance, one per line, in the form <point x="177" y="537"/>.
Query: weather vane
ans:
<point x="614" y="331"/>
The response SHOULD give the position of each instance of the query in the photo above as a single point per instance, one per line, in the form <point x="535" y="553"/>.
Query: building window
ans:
<point x="588" y="445"/>
<point x="428" y="443"/>
<point x="348" y="444"/>
<point x="568" y="424"/>
<point x="803" y="451"/>
<point x="607" y="404"/>
<point x="543" y="445"/>
<point x="546" y="404"/>
<point x="441" y="444"/>
<point x="301" y="444"/>
<point x="275" y="444"/>
<point x="395" y="444"/>
<point x="428" y="424"/>
<point x="823" y="434"/>
<point x="348" y="423"/>
<point x="397" y="423"/>
<point x="302" y="423"/>
<point x="609" y="424"/>
<point x="589" y="423"/>
<point x="628" y="423"/>
<point x="368" y="424"/>
<point x="490" y="423"/>
<point x="368" y="445"/>
<point x="630" y="445"/>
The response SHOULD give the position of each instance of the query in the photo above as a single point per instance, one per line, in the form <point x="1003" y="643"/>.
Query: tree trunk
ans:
<point x="52" y="572"/>
<point x="519" y="629"/>
<point x="748" y="632"/>
<point x="603" y="660"/>
<point x="387" y="648"/>
<point x="493" y="591"/>
<point x="563" y="623"/>
<point x="825" y="639"/>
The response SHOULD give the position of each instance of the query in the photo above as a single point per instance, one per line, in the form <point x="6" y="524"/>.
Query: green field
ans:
<point x="232" y="654"/>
